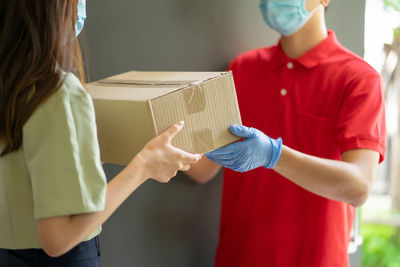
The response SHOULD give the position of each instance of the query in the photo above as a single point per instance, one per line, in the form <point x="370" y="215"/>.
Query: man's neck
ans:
<point x="311" y="34"/>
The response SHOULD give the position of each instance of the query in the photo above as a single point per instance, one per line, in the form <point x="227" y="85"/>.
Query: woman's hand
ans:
<point x="160" y="160"/>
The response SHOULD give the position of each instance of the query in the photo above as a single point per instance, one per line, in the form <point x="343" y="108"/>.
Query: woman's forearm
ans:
<point x="158" y="160"/>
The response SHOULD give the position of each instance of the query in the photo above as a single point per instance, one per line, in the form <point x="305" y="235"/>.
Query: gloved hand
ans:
<point x="256" y="150"/>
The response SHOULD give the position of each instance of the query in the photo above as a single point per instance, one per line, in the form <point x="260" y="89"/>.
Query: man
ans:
<point x="290" y="201"/>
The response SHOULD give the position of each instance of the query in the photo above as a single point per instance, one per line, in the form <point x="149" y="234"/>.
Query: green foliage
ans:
<point x="396" y="34"/>
<point x="393" y="4"/>
<point x="381" y="247"/>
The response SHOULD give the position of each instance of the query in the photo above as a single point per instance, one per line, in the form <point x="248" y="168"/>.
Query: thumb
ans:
<point x="243" y="131"/>
<point x="173" y="130"/>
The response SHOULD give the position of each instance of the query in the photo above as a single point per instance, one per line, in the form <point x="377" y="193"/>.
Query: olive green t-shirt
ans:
<point x="57" y="171"/>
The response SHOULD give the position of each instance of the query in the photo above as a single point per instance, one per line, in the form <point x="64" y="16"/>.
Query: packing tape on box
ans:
<point x="203" y="140"/>
<point x="195" y="99"/>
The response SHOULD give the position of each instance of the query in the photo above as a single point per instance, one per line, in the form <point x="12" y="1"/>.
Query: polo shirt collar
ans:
<point x="311" y="58"/>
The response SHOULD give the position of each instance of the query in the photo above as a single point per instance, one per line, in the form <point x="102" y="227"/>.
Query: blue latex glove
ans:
<point x="256" y="150"/>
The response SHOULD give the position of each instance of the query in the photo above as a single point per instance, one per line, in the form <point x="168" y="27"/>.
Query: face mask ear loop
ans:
<point x="310" y="13"/>
<point x="315" y="9"/>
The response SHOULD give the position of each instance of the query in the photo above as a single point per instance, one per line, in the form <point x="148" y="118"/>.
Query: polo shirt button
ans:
<point x="289" y="65"/>
<point x="283" y="92"/>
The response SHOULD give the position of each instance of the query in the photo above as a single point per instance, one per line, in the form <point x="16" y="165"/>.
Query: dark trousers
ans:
<point x="86" y="254"/>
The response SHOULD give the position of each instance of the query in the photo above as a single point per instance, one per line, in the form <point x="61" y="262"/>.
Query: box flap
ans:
<point x="127" y="91"/>
<point x="164" y="76"/>
<point x="142" y="85"/>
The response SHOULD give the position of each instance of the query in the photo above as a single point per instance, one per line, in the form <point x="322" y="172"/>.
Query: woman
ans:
<point x="53" y="192"/>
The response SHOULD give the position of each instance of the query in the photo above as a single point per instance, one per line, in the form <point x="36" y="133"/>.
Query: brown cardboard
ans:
<point x="134" y="107"/>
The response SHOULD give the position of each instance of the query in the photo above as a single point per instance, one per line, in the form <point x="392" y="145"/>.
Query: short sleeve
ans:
<point x="62" y="154"/>
<point x="361" y="122"/>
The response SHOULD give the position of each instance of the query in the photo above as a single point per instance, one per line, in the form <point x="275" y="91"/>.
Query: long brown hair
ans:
<point x="37" y="42"/>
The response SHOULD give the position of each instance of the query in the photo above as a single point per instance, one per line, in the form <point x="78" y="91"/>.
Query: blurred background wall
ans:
<point x="176" y="224"/>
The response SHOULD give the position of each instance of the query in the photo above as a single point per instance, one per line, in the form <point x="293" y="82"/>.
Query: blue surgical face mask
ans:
<point x="81" y="16"/>
<point x="285" y="16"/>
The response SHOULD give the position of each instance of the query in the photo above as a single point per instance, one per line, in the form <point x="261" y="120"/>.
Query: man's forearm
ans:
<point x="203" y="171"/>
<point x="349" y="181"/>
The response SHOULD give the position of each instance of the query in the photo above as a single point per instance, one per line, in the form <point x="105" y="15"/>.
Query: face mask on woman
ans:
<point x="285" y="16"/>
<point x="81" y="16"/>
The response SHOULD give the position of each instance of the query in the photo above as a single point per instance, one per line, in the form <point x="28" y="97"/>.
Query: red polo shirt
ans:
<point x="323" y="103"/>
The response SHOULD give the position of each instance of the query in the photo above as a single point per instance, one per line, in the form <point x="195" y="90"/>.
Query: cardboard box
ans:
<point x="134" y="107"/>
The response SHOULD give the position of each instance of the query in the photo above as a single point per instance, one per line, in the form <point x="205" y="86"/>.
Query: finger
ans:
<point x="243" y="131"/>
<point x="185" y="167"/>
<point x="165" y="180"/>
<point x="192" y="159"/>
<point x="220" y="151"/>
<point x="168" y="176"/>
<point x="227" y="157"/>
<point x="223" y="162"/>
<point x="229" y="149"/>
<point x="187" y="157"/>
<point x="173" y="130"/>
<point x="230" y="156"/>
